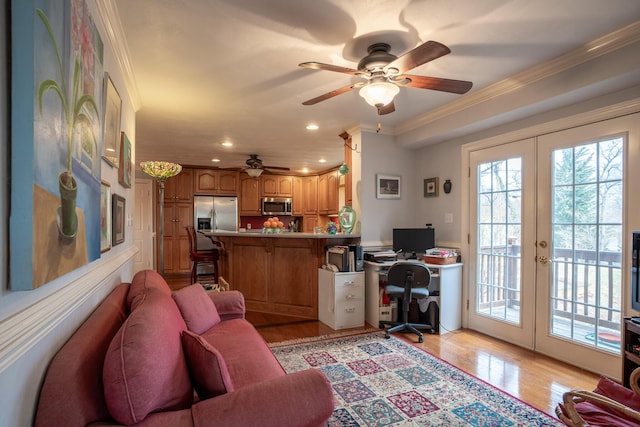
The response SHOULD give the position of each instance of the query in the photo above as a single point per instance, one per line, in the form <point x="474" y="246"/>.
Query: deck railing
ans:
<point x="574" y="291"/>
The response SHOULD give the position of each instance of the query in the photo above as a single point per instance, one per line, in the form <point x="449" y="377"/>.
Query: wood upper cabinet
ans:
<point x="277" y="186"/>
<point x="297" y="199"/>
<point x="249" y="203"/>
<point x="216" y="182"/>
<point x="180" y="187"/>
<point x="310" y="185"/>
<point x="328" y="193"/>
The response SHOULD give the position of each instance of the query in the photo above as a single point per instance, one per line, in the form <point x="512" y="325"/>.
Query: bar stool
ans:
<point x="209" y="256"/>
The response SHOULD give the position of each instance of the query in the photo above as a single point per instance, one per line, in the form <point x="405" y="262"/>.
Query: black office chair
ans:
<point x="407" y="280"/>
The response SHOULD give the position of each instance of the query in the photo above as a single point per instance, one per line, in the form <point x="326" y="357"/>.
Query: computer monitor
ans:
<point x="413" y="241"/>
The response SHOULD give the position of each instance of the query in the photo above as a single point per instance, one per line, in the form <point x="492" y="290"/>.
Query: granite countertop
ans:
<point x="283" y="234"/>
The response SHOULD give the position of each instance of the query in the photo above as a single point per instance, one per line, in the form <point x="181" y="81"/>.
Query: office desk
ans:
<point x="447" y="279"/>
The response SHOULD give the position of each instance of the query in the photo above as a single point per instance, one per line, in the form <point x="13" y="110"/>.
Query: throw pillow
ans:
<point x="197" y="309"/>
<point x="208" y="371"/>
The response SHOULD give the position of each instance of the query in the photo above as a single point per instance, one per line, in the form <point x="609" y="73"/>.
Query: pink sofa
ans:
<point x="150" y="357"/>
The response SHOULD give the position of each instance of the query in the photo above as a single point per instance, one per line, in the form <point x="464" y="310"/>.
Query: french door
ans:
<point x="547" y="233"/>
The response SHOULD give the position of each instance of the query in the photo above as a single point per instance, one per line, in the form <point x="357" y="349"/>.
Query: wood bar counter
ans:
<point x="277" y="273"/>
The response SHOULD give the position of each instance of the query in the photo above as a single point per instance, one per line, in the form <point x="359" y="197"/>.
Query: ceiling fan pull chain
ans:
<point x="378" y="128"/>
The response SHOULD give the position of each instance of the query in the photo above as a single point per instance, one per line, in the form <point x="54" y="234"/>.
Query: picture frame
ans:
<point x="105" y="216"/>
<point x="124" y="171"/>
<point x="112" y="115"/>
<point x="431" y="186"/>
<point x="387" y="186"/>
<point x="118" y="218"/>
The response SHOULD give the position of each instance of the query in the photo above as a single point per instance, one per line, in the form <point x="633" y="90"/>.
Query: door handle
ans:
<point x="543" y="260"/>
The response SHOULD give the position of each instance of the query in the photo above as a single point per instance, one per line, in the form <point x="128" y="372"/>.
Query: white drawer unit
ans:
<point x="341" y="299"/>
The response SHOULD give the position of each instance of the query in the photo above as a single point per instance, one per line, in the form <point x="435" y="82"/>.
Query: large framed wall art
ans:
<point x="57" y="140"/>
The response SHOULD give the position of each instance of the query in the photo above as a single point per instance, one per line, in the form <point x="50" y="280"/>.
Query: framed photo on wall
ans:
<point x="112" y="112"/>
<point x="387" y="187"/>
<point x="105" y="216"/>
<point x="118" y="219"/>
<point x="431" y="187"/>
<point x="124" y="172"/>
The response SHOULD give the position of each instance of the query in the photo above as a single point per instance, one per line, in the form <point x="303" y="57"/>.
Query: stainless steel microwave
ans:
<point x="276" y="206"/>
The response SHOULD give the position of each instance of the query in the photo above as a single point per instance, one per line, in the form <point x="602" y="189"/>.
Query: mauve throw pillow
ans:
<point x="208" y="371"/>
<point x="197" y="309"/>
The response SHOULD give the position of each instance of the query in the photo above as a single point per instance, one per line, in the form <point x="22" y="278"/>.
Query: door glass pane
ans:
<point x="499" y="239"/>
<point x="587" y="243"/>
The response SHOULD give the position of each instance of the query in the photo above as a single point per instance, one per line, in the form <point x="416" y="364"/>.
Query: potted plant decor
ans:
<point x="78" y="108"/>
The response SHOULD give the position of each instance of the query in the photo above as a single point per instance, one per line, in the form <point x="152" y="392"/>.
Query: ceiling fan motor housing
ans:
<point x="377" y="58"/>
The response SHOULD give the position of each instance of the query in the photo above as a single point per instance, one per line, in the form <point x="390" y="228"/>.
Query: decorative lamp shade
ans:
<point x="160" y="170"/>
<point x="253" y="172"/>
<point x="378" y="94"/>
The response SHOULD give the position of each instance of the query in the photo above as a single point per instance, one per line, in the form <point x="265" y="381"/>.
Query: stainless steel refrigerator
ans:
<point x="216" y="213"/>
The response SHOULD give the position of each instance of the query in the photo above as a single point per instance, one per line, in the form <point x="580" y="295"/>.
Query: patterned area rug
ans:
<point x="380" y="382"/>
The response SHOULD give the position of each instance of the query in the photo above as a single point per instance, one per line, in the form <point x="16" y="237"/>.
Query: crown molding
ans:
<point x="110" y="19"/>
<point x="600" y="47"/>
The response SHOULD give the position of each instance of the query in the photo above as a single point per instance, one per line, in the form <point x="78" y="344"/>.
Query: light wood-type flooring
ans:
<point x="536" y="379"/>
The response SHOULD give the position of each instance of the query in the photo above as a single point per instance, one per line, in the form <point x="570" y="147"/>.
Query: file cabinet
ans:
<point x="341" y="299"/>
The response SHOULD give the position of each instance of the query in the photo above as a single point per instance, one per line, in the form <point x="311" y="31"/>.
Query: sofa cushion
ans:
<point x="76" y="370"/>
<point x="143" y="280"/>
<point x="242" y="346"/>
<point x="208" y="371"/>
<point x="197" y="309"/>
<point x="145" y="370"/>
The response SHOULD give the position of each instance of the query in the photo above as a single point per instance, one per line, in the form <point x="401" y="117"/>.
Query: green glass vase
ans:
<point x="347" y="218"/>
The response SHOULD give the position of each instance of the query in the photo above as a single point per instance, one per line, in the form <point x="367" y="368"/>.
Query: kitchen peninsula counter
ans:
<point x="277" y="273"/>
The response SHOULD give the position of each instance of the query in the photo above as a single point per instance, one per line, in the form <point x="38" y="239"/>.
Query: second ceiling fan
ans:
<point x="385" y="73"/>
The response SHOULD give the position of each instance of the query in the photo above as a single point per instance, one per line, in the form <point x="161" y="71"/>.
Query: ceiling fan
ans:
<point x="255" y="167"/>
<point x="384" y="73"/>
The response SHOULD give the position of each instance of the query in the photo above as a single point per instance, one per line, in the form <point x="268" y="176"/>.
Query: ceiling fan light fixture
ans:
<point x="253" y="172"/>
<point x="378" y="94"/>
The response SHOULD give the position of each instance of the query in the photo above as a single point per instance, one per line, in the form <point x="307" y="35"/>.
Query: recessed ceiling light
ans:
<point x="305" y="170"/>
<point x="215" y="160"/>
<point x="227" y="144"/>
<point x="322" y="161"/>
<point x="312" y="126"/>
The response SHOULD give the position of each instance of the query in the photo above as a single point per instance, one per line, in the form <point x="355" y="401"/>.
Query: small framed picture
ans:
<point x="112" y="113"/>
<point x="118" y="219"/>
<point x="387" y="187"/>
<point x="431" y="187"/>
<point x="105" y="216"/>
<point x="124" y="172"/>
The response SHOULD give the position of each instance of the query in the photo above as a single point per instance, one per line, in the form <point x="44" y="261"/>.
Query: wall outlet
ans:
<point x="448" y="218"/>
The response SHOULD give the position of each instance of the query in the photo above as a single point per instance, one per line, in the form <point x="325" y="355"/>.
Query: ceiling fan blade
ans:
<point x="386" y="109"/>
<point x="331" y="94"/>
<point x="420" y="55"/>
<point x="329" y="67"/>
<point x="436" y="83"/>
<point x="280" y="168"/>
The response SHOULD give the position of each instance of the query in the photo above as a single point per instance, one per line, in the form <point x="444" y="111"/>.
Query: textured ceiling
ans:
<point x="209" y="71"/>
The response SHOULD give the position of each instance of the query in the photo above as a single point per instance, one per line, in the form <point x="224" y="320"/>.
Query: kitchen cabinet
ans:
<point x="341" y="299"/>
<point x="328" y="193"/>
<point x="216" y="182"/>
<point x="297" y="197"/>
<point x="305" y="196"/>
<point x="178" y="213"/>
<point x="276" y="185"/>
<point x="249" y="201"/>
<point x="177" y="216"/>
<point x="310" y="185"/>
<point x="180" y="187"/>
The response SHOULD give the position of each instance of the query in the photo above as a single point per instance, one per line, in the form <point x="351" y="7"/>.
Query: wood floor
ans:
<point x="536" y="379"/>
